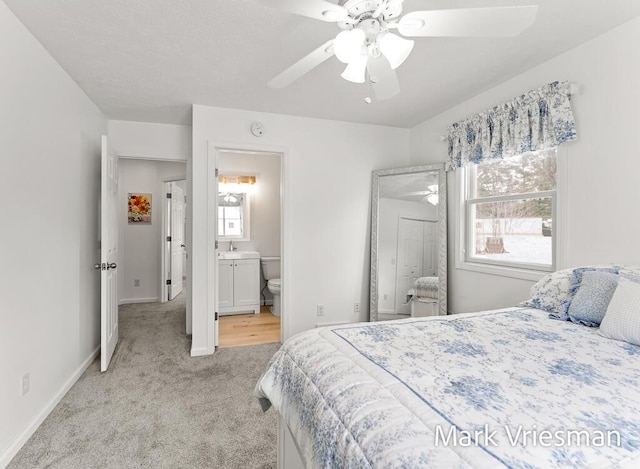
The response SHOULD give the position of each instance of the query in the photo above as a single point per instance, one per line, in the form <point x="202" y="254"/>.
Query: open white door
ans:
<point x="177" y="239"/>
<point x="108" y="255"/>
<point x="216" y="265"/>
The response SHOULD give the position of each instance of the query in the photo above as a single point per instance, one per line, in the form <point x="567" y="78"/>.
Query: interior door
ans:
<point x="430" y="263"/>
<point x="108" y="255"/>
<point x="410" y="257"/>
<point x="216" y="273"/>
<point x="177" y="239"/>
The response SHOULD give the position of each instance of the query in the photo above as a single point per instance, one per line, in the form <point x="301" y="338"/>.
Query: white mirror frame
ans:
<point x="442" y="233"/>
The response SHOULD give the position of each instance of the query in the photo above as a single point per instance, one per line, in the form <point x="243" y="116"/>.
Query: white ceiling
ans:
<point x="150" y="60"/>
<point x="408" y="186"/>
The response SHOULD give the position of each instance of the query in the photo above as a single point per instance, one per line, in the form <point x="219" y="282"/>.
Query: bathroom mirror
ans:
<point x="233" y="215"/>
<point x="408" y="242"/>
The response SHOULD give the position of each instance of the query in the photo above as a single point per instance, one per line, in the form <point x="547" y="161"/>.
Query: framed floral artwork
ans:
<point x="139" y="208"/>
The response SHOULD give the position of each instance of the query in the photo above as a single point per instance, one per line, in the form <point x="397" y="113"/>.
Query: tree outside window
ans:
<point x="510" y="209"/>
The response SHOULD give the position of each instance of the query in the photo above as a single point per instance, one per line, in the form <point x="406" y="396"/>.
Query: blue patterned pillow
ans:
<point x="591" y="300"/>
<point x="576" y="281"/>
<point x="550" y="292"/>
<point x="554" y="291"/>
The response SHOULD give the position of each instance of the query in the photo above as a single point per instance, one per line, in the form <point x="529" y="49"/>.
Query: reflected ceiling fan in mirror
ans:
<point x="371" y="41"/>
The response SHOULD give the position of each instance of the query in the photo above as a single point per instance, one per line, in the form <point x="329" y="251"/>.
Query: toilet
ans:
<point x="271" y="272"/>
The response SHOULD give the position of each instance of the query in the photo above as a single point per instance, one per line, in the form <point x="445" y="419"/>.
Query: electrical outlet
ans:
<point x="136" y="282"/>
<point x="25" y="383"/>
<point x="320" y="310"/>
<point x="356" y="307"/>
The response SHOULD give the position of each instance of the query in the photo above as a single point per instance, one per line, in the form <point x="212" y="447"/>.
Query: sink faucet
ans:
<point x="231" y="248"/>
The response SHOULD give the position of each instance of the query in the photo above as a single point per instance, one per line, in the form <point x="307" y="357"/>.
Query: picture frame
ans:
<point x="139" y="208"/>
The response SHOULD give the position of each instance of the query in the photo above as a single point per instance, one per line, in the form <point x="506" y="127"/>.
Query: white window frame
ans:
<point x="513" y="270"/>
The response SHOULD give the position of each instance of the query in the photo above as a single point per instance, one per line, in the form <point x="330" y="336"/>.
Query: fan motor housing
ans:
<point x="361" y="8"/>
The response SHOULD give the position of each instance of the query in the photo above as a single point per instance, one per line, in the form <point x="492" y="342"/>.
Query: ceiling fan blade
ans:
<point x="469" y="22"/>
<point x="384" y="80"/>
<point x="318" y="9"/>
<point x="302" y="66"/>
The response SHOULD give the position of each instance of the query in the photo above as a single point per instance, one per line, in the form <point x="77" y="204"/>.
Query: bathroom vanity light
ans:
<point x="237" y="179"/>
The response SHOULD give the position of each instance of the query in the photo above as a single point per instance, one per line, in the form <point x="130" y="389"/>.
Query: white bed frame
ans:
<point x="288" y="455"/>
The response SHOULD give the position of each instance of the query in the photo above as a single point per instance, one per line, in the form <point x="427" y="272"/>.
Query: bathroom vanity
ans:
<point x="238" y="282"/>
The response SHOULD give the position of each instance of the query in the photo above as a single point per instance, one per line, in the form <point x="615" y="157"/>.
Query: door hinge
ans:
<point x="168" y="195"/>
<point x="168" y="282"/>
<point x="216" y="244"/>
<point x="216" y="172"/>
<point x="168" y="238"/>
<point x="216" y="318"/>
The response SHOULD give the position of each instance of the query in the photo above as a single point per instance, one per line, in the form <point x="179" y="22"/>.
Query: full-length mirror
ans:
<point x="408" y="242"/>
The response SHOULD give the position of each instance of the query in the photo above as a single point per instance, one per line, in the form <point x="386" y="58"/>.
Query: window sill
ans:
<point x="511" y="272"/>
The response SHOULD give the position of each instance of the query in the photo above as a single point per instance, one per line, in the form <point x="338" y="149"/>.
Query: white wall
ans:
<point x="49" y="187"/>
<point x="151" y="141"/>
<point x="327" y="186"/>
<point x="603" y="165"/>
<point x="140" y="245"/>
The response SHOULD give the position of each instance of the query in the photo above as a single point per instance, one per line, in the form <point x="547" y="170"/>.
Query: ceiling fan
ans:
<point x="370" y="41"/>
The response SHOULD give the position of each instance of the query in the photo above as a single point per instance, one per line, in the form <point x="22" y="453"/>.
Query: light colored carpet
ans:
<point x="158" y="407"/>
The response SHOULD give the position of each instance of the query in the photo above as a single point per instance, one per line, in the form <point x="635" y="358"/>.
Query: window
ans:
<point x="509" y="212"/>
<point x="233" y="215"/>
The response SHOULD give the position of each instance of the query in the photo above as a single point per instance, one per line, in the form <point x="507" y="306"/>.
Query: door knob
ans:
<point x="111" y="266"/>
<point x="97" y="266"/>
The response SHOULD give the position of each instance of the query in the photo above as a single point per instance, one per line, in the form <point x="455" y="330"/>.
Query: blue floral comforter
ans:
<point x="500" y="388"/>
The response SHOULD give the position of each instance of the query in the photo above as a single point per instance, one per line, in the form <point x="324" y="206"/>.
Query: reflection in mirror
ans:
<point x="408" y="248"/>
<point x="234" y="207"/>
<point x="231" y="217"/>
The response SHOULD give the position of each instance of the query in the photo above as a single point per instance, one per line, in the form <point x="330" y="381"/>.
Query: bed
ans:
<point x="424" y="287"/>
<point x="501" y="388"/>
<point x="423" y="297"/>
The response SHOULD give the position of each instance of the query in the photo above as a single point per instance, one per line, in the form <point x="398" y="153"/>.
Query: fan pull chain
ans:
<point x="367" y="80"/>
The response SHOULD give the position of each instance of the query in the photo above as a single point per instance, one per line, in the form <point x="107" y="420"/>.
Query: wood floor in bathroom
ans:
<point x="249" y="329"/>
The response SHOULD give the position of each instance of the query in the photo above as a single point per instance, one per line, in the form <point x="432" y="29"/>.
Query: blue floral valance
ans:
<point x="537" y="120"/>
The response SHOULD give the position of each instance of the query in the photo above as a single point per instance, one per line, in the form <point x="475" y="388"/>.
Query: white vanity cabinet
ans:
<point x="238" y="285"/>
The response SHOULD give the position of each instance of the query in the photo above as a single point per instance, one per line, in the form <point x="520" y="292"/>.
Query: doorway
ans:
<point x="141" y="239"/>
<point x="249" y="221"/>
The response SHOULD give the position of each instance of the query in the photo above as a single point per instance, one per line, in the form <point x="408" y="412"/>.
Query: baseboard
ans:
<point x="337" y="323"/>
<point x="199" y="352"/>
<point x="128" y="301"/>
<point x="19" y="442"/>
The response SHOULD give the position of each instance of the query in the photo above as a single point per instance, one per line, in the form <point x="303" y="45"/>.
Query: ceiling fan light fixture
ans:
<point x="395" y="48"/>
<point x="355" y="71"/>
<point x="348" y="45"/>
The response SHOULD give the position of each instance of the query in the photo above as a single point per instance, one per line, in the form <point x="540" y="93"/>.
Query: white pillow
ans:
<point x="622" y="321"/>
